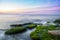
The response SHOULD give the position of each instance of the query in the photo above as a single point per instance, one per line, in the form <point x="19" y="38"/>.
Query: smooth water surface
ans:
<point x="7" y="20"/>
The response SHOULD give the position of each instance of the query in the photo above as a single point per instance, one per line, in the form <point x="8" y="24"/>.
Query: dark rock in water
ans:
<point x="48" y="22"/>
<point x="39" y="23"/>
<point x="15" y="30"/>
<point x="57" y="21"/>
<point x="28" y="23"/>
<point x="19" y="25"/>
<point x="31" y="26"/>
<point x="18" y="28"/>
<point x="16" y="25"/>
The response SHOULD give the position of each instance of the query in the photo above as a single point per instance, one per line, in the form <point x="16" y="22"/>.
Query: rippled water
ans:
<point x="7" y="20"/>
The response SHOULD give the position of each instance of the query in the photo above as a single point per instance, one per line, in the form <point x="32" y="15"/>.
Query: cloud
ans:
<point x="36" y="10"/>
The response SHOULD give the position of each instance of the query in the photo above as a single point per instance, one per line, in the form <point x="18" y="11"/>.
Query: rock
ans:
<point x="19" y="25"/>
<point x="16" y="25"/>
<point x="54" y="32"/>
<point x="15" y="30"/>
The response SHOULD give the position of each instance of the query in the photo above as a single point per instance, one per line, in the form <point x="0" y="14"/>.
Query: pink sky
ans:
<point x="39" y="10"/>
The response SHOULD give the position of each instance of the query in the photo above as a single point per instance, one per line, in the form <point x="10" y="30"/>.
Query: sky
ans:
<point x="29" y="6"/>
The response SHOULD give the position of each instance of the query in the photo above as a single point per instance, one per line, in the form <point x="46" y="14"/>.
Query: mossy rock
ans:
<point x="28" y="23"/>
<point x="57" y="21"/>
<point x="20" y="25"/>
<point x="31" y="26"/>
<point x="34" y="36"/>
<point x="15" y="30"/>
<point x="16" y="25"/>
<point x="41" y="33"/>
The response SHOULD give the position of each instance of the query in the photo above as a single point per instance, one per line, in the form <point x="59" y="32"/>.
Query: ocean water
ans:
<point x="7" y="20"/>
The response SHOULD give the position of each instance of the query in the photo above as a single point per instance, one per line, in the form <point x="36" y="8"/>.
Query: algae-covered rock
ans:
<point x="15" y="30"/>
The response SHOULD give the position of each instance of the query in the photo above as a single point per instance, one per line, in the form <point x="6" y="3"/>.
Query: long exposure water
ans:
<point x="7" y="20"/>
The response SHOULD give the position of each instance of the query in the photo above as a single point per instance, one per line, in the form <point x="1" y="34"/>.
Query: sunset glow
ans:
<point x="21" y="6"/>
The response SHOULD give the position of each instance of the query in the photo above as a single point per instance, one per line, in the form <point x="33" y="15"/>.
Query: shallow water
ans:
<point x="7" y="20"/>
<point x="22" y="36"/>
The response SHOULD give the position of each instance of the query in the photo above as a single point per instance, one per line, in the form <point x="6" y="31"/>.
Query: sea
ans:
<point x="7" y="20"/>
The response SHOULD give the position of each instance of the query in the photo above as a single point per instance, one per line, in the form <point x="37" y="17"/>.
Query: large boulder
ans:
<point x="54" y="32"/>
<point x="15" y="30"/>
